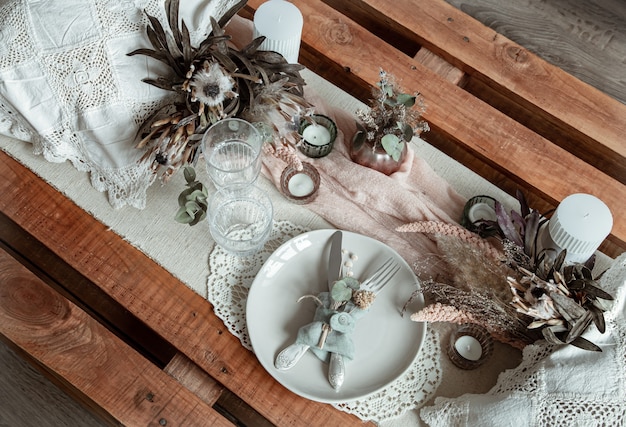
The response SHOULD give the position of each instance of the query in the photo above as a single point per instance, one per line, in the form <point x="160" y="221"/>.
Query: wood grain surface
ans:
<point x="113" y="379"/>
<point x="153" y="295"/>
<point x="342" y="51"/>
<point x="29" y="399"/>
<point x="585" y="38"/>
<point x="485" y="116"/>
<point x="545" y="99"/>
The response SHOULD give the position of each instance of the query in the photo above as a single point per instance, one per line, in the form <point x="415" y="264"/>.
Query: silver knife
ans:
<point x="336" y="366"/>
<point x="334" y="259"/>
<point x="290" y="356"/>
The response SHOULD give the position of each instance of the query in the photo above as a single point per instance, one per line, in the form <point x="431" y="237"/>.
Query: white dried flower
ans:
<point x="363" y="299"/>
<point x="212" y="85"/>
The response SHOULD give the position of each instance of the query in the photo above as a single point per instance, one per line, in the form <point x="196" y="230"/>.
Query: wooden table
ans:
<point x="129" y="340"/>
<point x="110" y="324"/>
<point x="491" y="104"/>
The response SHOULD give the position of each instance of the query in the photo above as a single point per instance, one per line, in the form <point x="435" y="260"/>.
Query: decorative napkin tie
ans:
<point x="339" y="339"/>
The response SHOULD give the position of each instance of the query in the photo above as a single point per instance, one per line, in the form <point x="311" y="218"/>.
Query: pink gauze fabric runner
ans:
<point x="365" y="201"/>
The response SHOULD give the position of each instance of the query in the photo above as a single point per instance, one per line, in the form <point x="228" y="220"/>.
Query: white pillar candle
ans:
<point x="300" y="185"/>
<point x="316" y="134"/>
<point x="468" y="348"/>
<point x="281" y="23"/>
<point x="481" y="211"/>
<point x="580" y="223"/>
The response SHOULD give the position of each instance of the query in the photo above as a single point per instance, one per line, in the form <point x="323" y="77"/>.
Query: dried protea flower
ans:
<point x="213" y="81"/>
<point x="172" y="142"/>
<point x="562" y="303"/>
<point x="211" y="85"/>
<point x="282" y="110"/>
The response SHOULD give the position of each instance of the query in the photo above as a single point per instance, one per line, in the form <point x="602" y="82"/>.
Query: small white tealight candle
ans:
<point x="580" y="223"/>
<point x="316" y="135"/>
<point x="281" y="23"/>
<point x="481" y="211"/>
<point x="468" y="347"/>
<point x="301" y="185"/>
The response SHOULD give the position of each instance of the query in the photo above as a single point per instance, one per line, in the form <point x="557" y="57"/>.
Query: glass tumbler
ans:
<point x="232" y="151"/>
<point x="240" y="218"/>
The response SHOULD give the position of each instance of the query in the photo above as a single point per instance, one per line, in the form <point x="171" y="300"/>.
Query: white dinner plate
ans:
<point x="386" y="343"/>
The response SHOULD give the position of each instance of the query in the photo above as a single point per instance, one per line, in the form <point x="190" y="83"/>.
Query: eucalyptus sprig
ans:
<point x="342" y="290"/>
<point x="193" y="201"/>
<point x="393" y="143"/>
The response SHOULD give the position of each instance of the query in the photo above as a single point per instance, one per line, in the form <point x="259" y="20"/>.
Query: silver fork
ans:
<point x="377" y="281"/>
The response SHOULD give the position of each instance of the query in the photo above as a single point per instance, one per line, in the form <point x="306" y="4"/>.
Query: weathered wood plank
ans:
<point x="47" y="265"/>
<point x="592" y="123"/>
<point x="152" y="294"/>
<point x="29" y="399"/>
<point x="79" y="351"/>
<point x="333" y="44"/>
<point x="194" y="379"/>
<point x="206" y="388"/>
<point x="457" y="77"/>
<point x="440" y="66"/>
<point x="587" y="39"/>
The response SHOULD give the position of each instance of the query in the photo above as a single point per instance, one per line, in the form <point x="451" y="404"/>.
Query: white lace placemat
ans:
<point x="228" y="283"/>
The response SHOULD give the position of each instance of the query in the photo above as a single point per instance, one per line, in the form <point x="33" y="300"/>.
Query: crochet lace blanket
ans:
<point x="68" y="87"/>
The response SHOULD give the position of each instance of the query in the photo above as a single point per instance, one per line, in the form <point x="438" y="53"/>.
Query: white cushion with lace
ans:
<point x="68" y="86"/>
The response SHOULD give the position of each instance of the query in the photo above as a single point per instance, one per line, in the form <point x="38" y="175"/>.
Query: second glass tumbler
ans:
<point x="232" y="150"/>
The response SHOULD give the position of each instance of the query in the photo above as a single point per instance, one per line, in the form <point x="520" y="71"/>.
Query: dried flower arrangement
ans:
<point x="391" y="120"/>
<point x="214" y="81"/>
<point x="503" y="280"/>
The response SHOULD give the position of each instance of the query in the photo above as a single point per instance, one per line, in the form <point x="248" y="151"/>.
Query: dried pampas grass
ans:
<point x="476" y="291"/>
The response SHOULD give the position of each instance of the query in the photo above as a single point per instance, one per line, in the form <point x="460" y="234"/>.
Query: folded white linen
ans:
<point x="68" y="86"/>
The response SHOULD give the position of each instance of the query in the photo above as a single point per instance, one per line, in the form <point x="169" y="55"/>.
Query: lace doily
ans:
<point x="228" y="284"/>
<point x="555" y="386"/>
<point x="69" y="88"/>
